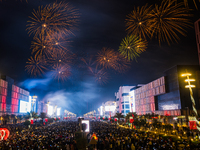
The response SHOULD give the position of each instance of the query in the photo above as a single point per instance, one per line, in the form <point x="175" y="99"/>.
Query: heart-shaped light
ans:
<point x="4" y="133"/>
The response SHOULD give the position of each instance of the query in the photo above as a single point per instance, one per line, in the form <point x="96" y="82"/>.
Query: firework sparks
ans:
<point x="42" y="47"/>
<point x="89" y="64"/>
<point x="61" y="57"/>
<point x="56" y="17"/>
<point x="59" y="42"/>
<point x="186" y="3"/>
<point x="61" y="72"/>
<point x="100" y="76"/>
<point x="35" y="65"/>
<point x="168" y="19"/>
<point x="137" y="21"/>
<point x="107" y="58"/>
<point x="132" y="46"/>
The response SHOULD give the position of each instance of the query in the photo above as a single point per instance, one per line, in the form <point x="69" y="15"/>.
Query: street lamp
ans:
<point x="190" y="86"/>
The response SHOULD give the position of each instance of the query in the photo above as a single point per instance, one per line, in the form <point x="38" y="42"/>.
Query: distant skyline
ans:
<point x="102" y="24"/>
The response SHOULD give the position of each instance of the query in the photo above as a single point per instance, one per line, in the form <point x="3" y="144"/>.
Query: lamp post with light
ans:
<point x="190" y="86"/>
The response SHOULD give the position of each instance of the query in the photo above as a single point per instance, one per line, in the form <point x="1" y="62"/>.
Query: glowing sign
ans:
<point x="4" y="133"/>
<point x="94" y="136"/>
<point x="87" y="122"/>
<point x="170" y="107"/>
<point x="110" y="108"/>
<point x="58" y="111"/>
<point x="50" y="110"/>
<point x="24" y="107"/>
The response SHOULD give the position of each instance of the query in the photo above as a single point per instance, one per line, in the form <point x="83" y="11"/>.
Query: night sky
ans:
<point x="102" y="24"/>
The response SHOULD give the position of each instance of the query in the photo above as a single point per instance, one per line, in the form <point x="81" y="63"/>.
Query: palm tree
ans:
<point x="131" y="114"/>
<point x="118" y="116"/>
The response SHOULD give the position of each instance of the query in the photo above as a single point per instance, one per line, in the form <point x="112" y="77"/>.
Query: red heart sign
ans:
<point x="4" y="133"/>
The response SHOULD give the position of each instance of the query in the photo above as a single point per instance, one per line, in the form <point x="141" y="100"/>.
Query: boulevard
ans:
<point x="63" y="135"/>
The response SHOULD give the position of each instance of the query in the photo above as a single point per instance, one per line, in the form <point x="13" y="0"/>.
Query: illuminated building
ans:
<point x="167" y="95"/>
<point x="11" y="95"/>
<point x="109" y="108"/>
<point x="123" y="99"/>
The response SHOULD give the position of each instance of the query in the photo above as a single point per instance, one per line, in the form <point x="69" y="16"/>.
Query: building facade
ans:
<point x="109" y="109"/>
<point x="167" y="95"/>
<point x="10" y="96"/>
<point x="123" y="99"/>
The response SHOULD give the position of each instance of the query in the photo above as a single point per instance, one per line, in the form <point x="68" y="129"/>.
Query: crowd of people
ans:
<point x="61" y="136"/>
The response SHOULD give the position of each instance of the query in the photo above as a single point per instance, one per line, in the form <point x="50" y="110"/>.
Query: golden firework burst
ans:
<point x="107" y="58"/>
<point x="186" y="3"/>
<point x="169" y="19"/>
<point x="35" y="65"/>
<point x="59" y="42"/>
<point x="137" y="21"/>
<point x="132" y="46"/>
<point x="61" y="57"/>
<point x="57" y="17"/>
<point x="61" y="72"/>
<point x="42" y="47"/>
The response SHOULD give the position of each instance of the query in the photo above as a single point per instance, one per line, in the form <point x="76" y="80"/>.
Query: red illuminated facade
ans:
<point x="3" y="95"/>
<point x="17" y="95"/>
<point x="10" y="95"/>
<point x="144" y="96"/>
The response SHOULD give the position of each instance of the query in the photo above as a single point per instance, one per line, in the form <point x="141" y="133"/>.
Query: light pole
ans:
<point x="188" y="80"/>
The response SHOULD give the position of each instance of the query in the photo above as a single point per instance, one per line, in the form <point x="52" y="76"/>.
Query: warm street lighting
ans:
<point x="188" y="80"/>
<point x="190" y="86"/>
<point x="186" y="74"/>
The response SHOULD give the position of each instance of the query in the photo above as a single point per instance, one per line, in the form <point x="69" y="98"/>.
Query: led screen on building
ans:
<point x="24" y="107"/>
<point x="87" y="122"/>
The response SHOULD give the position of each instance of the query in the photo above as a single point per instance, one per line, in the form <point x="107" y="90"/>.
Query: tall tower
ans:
<point x="197" y="30"/>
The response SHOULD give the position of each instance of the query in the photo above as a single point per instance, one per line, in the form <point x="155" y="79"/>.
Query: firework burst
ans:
<point x="61" y="57"/>
<point x="59" y="42"/>
<point x="61" y="72"/>
<point x="100" y="76"/>
<point x="132" y="46"/>
<point x="42" y="47"/>
<point x="89" y="64"/>
<point x="186" y="3"/>
<point x="109" y="59"/>
<point x="168" y="19"/>
<point x="137" y="21"/>
<point x="56" y="17"/>
<point x="35" y="65"/>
